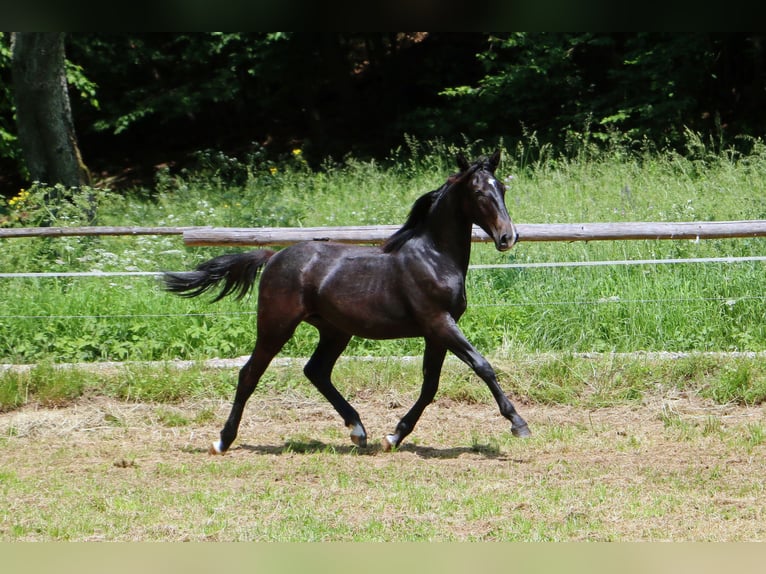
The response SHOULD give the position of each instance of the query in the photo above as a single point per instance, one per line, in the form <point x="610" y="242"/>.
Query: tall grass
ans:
<point x="685" y="307"/>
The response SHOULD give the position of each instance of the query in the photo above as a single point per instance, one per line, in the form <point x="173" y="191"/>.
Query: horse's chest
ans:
<point x="445" y="289"/>
<point x="456" y="302"/>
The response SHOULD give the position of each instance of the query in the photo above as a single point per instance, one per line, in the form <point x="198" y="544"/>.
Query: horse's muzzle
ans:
<point x="507" y="240"/>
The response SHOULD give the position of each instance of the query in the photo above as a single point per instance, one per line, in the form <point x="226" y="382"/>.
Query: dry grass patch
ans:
<point x="675" y="468"/>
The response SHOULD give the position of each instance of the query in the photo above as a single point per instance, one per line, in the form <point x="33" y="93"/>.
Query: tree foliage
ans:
<point x="645" y="86"/>
<point x="164" y="77"/>
<point x="8" y="148"/>
<point x="335" y="93"/>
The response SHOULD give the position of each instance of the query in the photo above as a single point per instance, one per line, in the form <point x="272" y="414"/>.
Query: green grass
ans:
<point x="689" y="307"/>
<point x="588" y="382"/>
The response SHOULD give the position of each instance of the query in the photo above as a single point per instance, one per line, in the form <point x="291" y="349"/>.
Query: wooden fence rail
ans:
<point x="527" y="232"/>
<point x="210" y="236"/>
<point x="88" y="231"/>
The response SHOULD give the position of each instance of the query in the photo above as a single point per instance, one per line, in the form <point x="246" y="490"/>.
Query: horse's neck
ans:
<point x="450" y="231"/>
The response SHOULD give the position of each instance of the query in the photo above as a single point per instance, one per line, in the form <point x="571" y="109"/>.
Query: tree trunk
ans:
<point x="43" y="113"/>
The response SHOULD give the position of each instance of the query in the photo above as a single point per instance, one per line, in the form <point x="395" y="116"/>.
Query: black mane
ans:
<point x="422" y="206"/>
<point x="416" y="218"/>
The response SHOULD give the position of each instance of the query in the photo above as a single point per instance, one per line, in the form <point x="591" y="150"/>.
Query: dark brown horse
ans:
<point x="411" y="286"/>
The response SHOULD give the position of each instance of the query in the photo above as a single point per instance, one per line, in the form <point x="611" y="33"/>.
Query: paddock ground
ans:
<point x="676" y="468"/>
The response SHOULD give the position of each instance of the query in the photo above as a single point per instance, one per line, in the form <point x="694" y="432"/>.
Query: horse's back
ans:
<point x="312" y="267"/>
<point x="357" y="289"/>
<point x="311" y="260"/>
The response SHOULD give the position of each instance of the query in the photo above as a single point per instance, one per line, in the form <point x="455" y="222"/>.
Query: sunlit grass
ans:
<point x="551" y="379"/>
<point x="679" y="307"/>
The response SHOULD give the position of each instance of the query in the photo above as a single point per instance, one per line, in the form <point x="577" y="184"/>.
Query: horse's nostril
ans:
<point x="507" y="240"/>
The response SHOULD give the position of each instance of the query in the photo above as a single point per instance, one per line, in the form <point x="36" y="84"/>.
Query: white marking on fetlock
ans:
<point x="357" y="433"/>
<point x="216" y="447"/>
<point x="390" y="441"/>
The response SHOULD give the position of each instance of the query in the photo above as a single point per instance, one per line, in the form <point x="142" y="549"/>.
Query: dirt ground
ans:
<point x="674" y="468"/>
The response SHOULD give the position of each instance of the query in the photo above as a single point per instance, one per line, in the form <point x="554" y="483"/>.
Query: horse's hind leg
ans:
<point x="433" y="359"/>
<point x="270" y="341"/>
<point x="319" y="369"/>
<point x="249" y="375"/>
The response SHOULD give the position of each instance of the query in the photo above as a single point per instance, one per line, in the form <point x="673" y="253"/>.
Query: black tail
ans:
<point x="238" y="273"/>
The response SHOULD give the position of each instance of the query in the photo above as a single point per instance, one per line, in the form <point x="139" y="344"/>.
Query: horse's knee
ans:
<point x="484" y="369"/>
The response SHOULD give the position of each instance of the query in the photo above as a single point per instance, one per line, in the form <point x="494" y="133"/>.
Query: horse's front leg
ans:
<point x="433" y="359"/>
<point x="453" y="338"/>
<point x="319" y="370"/>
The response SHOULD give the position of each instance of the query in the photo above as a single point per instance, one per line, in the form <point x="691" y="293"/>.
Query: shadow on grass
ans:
<point x="427" y="452"/>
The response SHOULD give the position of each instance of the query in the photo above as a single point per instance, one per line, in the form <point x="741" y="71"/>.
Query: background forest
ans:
<point x="140" y="100"/>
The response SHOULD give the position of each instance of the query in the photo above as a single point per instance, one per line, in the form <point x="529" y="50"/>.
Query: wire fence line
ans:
<point x="478" y="267"/>
<point x="131" y="315"/>
<point x="668" y="261"/>
<point x="541" y="265"/>
<point x="730" y="301"/>
<point x="55" y="274"/>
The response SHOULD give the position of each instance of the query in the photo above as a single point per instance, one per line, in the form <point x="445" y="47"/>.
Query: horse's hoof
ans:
<point x="358" y="435"/>
<point x="388" y="442"/>
<point x="521" y="432"/>
<point x="360" y="441"/>
<point x="215" y="448"/>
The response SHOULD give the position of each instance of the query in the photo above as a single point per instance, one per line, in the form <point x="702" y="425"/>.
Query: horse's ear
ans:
<point x="494" y="160"/>
<point x="462" y="162"/>
<point x="466" y="175"/>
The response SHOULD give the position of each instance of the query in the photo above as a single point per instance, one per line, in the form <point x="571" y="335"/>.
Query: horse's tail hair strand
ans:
<point x="238" y="273"/>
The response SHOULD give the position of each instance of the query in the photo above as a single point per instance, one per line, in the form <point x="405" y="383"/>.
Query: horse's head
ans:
<point x="484" y="200"/>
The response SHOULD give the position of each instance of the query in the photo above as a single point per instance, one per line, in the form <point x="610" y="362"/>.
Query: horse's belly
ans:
<point x="385" y="331"/>
<point x="370" y="321"/>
